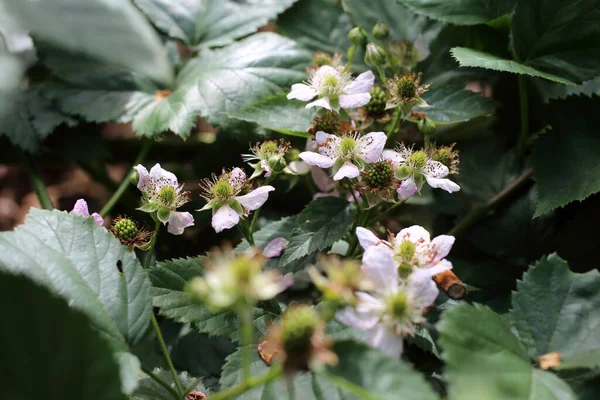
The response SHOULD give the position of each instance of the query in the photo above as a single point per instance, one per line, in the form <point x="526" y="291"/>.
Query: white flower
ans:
<point x="222" y="196"/>
<point x="412" y="249"/>
<point x="346" y="154"/>
<point x="81" y="208"/>
<point x="394" y="308"/>
<point x="163" y="194"/>
<point x="335" y="88"/>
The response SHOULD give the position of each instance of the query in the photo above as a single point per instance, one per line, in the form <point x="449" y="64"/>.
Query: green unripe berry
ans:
<point x="222" y="190"/>
<point x="418" y="159"/>
<point x="357" y="36"/>
<point x="329" y="123"/>
<point x="375" y="55"/>
<point x="379" y="174"/>
<point x="445" y="156"/>
<point x="167" y="195"/>
<point x="125" y="229"/>
<point x="381" y="31"/>
<point x="298" y="324"/>
<point x="321" y="58"/>
<point x="407" y="87"/>
<point x="378" y="101"/>
<point x="398" y="305"/>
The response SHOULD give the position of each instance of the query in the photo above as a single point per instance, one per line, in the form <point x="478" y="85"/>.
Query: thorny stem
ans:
<point x="150" y="251"/>
<point x="162" y="383"/>
<point x="481" y="210"/>
<point x="37" y="184"/>
<point x="165" y="352"/>
<point x="523" y="101"/>
<point x="125" y="183"/>
<point x="245" y="317"/>
<point x="274" y="373"/>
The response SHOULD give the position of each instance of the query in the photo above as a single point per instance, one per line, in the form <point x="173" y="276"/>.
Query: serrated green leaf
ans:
<point x="484" y="360"/>
<point x="461" y="12"/>
<point x="44" y="334"/>
<point x="151" y="390"/>
<point x="450" y="105"/>
<point x="556" y="310"/>
<point x="322" y="222"/>
<point x="279" y="114"/>
<point x="574" y="176"/>
<point x="80" y="261"/>
<point x="111" y="31"/>
<point x="169" y="279"/>
<point x="474" y="58"/>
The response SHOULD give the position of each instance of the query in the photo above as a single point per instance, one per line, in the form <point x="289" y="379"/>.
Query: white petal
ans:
<point x="385" y="339"/>
<point x="162" y="177"/>
<point x="322" y="137"/>
<point x="321" y="179"/>
<point x="392" y="156"/>
<point x="422" y="289"/>
<point x="379" y="267"/>
<point x="317" y="159"/>
<point x="81" y="208"/>
<point x="348" y="170"/>
<point x="275" y="247"/>
<point x="440" y="246"/>
<point x="299" y="167"/>
<point x="255" y="198"/>
<point x="224" y="218"/>
<point x="444" y="184"/>
<point x="407" y="189"/>
<point x="370" y="146"/>
<point x="366" y="238"/>
<point x="435" y="169"/>
<point x="354" y="100"/>
<point x="302" y="92"/>
<point x="362" y="84"/>
<point x="416" y="234"/>
<point x="322" y="102"/>
<point x="349" y="316"/>
<point x="99" y="220"/>
<point x="178" y="221"/>
<point x="438" y="268"/>
<point x="144" y="176"/>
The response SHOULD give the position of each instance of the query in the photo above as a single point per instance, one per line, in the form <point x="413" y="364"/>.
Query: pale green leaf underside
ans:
<point x="11" y="71"/>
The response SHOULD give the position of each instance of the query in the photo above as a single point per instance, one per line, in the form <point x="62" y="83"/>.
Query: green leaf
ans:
<point x="50" y="349"/>
<point x="279" y="114"/>
<point x="556" y="310"/>
<point x="239" y="75"/>
<point x="80" y="261"/>
<point x="574" y="140"/>
<point x="129" y="369"/>
<point x="484" y="360"/>
<point x="450" y="105"/>
<point x="558" y="37"/>
<point x="211" y="22"/>
<point x="11" y="72"/>
<point x="151" y="390"/>
<point x="115" y="32"/>
<point x="473" y="58"/>
<point x="272" y="230"/>
<point x="169" y="279"/>
<point x="461" y="12"/>
<point x="322" y="222"/>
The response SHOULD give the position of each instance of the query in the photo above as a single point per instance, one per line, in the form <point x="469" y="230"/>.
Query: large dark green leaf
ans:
<point x="80" y="261"/>
<point x="556" y="310"/>
<point x="566" y="158"/>
<point x="484" y="360"/>
<point x="461" y="12"/>
<point x="46" y="340"/>
<point x="111" y="31"/>
<point x="169" y="279"/>
<point x="322" y="222"/>
<point x="10" y="77"/>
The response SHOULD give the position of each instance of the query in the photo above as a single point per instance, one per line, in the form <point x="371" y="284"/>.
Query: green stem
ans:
<point x="290" y="388"/>
<point x="481" y="210"/>
<point x="393" y="125"/>
<point x="150" y="251"/>
<point x="523" y="101"/>
<point x="162" y="383"/>
<point x="273" y="374"/>
<point x="245" y="317"/>
<point x="351" y="54"/>
<point x="37" y="184"/>
<point x="381" y="74"/>
<point x="125" y="183"/>
<point x="384" y="214"/>
<point x="351" y="189"/>
<point x="165" y="352"/>
<point x="246" y="231"/>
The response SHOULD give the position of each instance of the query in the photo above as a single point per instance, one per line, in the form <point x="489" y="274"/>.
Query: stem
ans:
<point x="245" y="317"/>
<point x="165" y="352"/>
<point x="162" y="383"/>
<point x="523" y="101"/>
<point x="125" y="183"/>
<point x="394" y="124"/>
<point x="349" y="184"/>
<point x="37" y="184"/>
<point x="481" y="210"/>
<point x="385" y="213"/>
<point x="274" y="373"/>
<point x="192" y="385"/>
<point x="290" y="389"/>
<point x="246" y="231"/>
<point x="381" y="74"/>
<point x="351" y="54"/>
<point x="150" y="251"/>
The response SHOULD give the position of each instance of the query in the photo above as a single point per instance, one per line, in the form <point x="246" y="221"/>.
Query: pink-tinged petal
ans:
<point x="440" y="246"/>
<point x="237" y="177"/>
<point x="144" y="176"/>
<point x="224" y="218"/>
<point x="422" y="289"/>
<point x="348" y="170"/>
<point x="371" y="146"/>
<point x="178" y="221"/>
<point x="81" y="208"/>
<point x="392" y="156"/>
<point x="317" y="159"/>
<point x="322" y="102"/>
<point x="416" y="234"/>
<point x="99" y="220"/>
<point x="321" y="179"/>
<point x="162" y="177"/>
<point x="385" y="339"/>
<point x="299" y="167"/>
<point x="354" y="100"/>
<point x="366" y="238"/>
<point x="255" y="198"/>
<point x="321" y="137"/>
<point x="435" y="169"/>
<point x="362" y="84"/>
<point x="302" y="92"/>
<point x="444" y="184"/>
<point x="407" y="189"/>
<point x="264" y="164"/>
<point x="275" y="247"/>
<point x="379" y="267"/>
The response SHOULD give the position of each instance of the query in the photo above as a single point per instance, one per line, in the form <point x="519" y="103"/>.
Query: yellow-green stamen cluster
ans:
<point x="347" y="146"/>
<point x="167" y="195"/>
<point x="222" y="190"/>
<point x="398" y="305"/>
<point x="125" y="229"/>
<point x="378" y="101"/>
<point x="418" y="159"/>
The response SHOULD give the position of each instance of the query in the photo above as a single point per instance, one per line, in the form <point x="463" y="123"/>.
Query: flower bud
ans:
<point x="375" y="55"/>
<point x="381" y="31"/>
<point x="378" y="101"/>
<point x="426" y="126"/>
<point x="134" y="178"/>
<point x="277" y="163"/>
<point x="357" y="36"/>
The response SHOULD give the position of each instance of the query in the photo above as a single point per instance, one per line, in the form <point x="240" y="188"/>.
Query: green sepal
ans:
<point x="148" y="207"/>
<point x="404" y="172"/>
<point x="337" y="165"/>
<point x="163" y="214"/>
<point x="419" y="180"/>
<point x="257" y="170"/>
<point x="236" y="206"/>
<point x="208" y="206"/>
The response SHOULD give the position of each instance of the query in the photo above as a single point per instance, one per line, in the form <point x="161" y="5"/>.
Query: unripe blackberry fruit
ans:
<point x="328" y="123"/>
<point x="445" y="156"/>
<point x="407" y="87"/>
<point x="378" y="174"/>
<point x="298" y="324"/>
<point x="125" y="229"/>
<point x="378" y="101"/>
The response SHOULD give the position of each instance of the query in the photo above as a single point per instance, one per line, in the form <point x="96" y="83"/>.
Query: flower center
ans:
<point x="331" y="81"/>
<point x="418" y="159"/>
<point x="406" y="88"/>
<point x="347" y="146"/>
<point x="222" y="190"/>
<point x="167" y="195"/>
<point x="269" y="148"/>
<point x="398" y="305"/>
